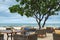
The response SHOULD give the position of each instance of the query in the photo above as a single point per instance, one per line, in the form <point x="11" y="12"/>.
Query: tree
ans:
<point x="39" y="9"/>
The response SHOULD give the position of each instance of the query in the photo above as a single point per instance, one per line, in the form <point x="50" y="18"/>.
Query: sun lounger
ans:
<point x="8" y="28"/>
<point x="29" y="30"/>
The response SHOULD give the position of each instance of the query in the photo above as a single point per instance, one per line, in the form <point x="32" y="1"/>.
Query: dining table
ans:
<point x="7" y="32"/>
<point x="11" y="32"/>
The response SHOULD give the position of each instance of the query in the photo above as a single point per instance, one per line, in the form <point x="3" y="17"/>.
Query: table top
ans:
<point x="6" y="31"/>
<point x="11" y="31"/>
<point x="18" y="31"/>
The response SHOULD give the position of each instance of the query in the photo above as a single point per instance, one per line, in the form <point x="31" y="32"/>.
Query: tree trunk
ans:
<point x="39" y="25"/>
<point x="45" y="21"/>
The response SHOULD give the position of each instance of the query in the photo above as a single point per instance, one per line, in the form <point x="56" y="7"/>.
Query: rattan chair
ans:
<point x="56" y="36"/>
<point x="1" y="36"/>
<point x="49" y="30"/>
<point x="9" y="35"/>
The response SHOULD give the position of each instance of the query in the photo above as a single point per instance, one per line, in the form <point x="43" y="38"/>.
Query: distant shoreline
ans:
<point x="27" y="24"/>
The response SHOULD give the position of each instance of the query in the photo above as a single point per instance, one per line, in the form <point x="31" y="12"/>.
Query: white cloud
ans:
<point x="3" y="7"/>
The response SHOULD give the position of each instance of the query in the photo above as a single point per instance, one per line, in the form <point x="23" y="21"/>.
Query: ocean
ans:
<point x="28" y="24"/>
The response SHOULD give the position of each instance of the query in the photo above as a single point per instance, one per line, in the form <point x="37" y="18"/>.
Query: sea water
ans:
<point x="28" y="24"/>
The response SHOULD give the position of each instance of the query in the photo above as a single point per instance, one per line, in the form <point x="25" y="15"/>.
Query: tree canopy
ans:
<point x="39" y="9"/>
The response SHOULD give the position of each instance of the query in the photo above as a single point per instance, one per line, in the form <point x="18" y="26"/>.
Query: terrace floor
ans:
<point x="49" y="37"/>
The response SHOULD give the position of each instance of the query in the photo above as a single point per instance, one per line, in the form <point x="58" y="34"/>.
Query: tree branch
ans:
<point x="42" y="17"/>
<point x="45" y="20"/>
<point x="36" y="18"/>
<point x="46" y="17"/>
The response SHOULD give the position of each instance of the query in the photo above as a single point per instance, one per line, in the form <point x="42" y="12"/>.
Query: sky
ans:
<point x="7" y="17"/>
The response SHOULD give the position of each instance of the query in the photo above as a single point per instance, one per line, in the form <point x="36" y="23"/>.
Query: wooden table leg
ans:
<point x="15" y="32"/>
<point x="11" y="36"/>
<point x="7" y="36"/>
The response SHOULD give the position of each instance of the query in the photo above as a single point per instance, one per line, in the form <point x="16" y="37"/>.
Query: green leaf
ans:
<point x="17" y="0"/>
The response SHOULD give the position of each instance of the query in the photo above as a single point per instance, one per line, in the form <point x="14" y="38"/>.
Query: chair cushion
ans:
<point x="26" y="28"/>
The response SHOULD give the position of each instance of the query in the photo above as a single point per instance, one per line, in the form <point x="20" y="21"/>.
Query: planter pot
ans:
<point x="41" y="33"/>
